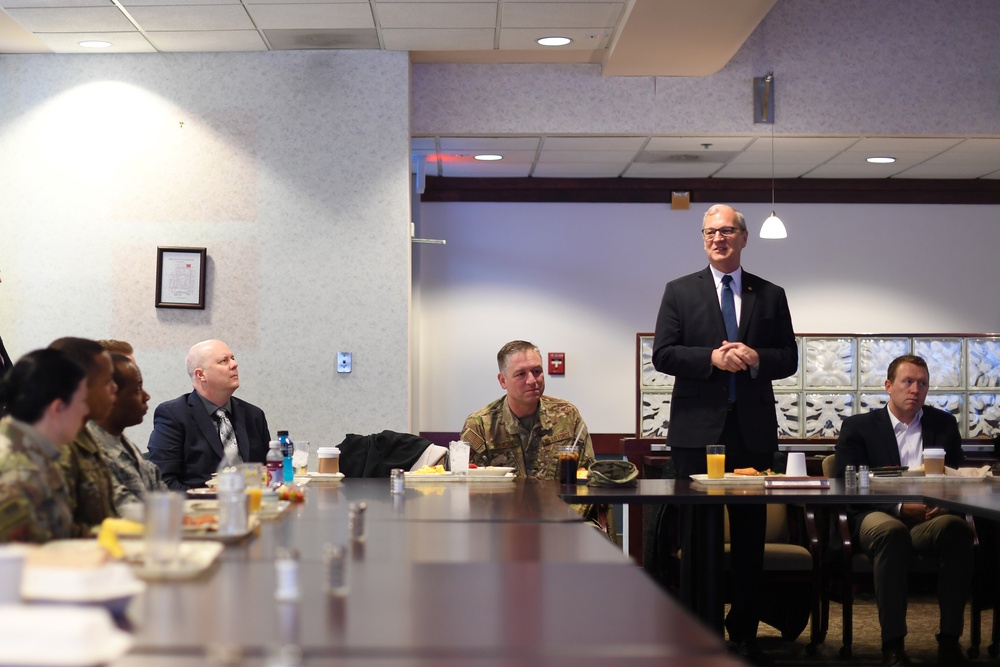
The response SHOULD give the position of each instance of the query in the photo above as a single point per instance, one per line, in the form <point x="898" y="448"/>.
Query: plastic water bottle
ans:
<point x="231" y="491"/>
<point x="287" y="451"/>
<point x="275" y="464"/>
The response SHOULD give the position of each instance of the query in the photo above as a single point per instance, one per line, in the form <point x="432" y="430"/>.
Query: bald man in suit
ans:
<point x="722" y="391"/>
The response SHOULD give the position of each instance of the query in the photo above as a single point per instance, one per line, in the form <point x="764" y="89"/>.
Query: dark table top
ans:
<point x="448" y="574"/>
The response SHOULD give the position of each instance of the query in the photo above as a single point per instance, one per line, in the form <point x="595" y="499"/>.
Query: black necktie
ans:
<point x="226" y="432"/>
<point x="732" y="328"/>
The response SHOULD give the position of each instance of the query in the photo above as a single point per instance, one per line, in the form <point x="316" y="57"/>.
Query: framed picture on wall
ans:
<point x="180" y="277"/>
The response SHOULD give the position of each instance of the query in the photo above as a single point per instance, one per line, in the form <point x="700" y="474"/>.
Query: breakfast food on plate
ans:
<point x="111" y="528"/>
<point x="430" y="470"/>
<point x="582" y="473"/>
<point x="753" y="472"/>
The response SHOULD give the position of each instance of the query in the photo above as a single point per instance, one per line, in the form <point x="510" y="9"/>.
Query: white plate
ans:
<point x="490" y="471"/>
<point x="57" y="636"/>
<point x="730" y="478"/>
<point x="427" y="476"/>
<point x="207" y="493"/>
<point x="323" y="476"/>
<point x="196" y="557"/>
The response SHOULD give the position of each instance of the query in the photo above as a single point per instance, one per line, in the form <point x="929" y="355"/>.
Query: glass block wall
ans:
<point x="841" y="375"/>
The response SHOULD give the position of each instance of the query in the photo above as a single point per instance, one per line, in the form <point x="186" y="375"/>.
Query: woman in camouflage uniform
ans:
<point x="44" y="400"/>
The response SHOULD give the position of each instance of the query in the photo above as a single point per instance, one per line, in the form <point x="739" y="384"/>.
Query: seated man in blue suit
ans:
<point x="189" y="431"/>
<point x="898" y="435"/>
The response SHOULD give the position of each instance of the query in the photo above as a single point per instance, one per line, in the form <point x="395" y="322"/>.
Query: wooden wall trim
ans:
<point x="711" y="190"/>
<point x="604" y="443"/>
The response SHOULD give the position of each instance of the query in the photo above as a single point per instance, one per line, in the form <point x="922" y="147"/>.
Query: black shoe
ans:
<point x="950" y="653"/>
<point x="895" y="657"/>
<point x="750" y="652"/>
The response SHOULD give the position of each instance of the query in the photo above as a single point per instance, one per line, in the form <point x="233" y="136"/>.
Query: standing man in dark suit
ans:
<point x="898" y="435"/>
<point x="189" y="431"/>
<point x="722" y="391"/>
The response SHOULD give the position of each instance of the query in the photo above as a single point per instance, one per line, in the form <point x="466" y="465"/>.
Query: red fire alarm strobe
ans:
<point x="557" y="363"/>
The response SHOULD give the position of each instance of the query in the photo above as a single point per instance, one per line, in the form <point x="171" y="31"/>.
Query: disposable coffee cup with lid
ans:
<point x="329" y="460"/>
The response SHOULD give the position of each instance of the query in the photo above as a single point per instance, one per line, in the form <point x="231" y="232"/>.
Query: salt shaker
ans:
<point x="850" y="478"/>
<point x="396" y="480"/>
<point x="335" y="562"/>
<point x="864" y="478"/>
<point x="286" y="568"/>
<point x="357" y="521"/>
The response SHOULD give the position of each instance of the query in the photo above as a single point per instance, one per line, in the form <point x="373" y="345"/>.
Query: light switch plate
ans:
<point x="343" y="362"/>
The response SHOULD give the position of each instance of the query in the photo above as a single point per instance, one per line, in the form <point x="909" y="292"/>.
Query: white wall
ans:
<point x="585" y="278"/>
<point x="291" y="168"/>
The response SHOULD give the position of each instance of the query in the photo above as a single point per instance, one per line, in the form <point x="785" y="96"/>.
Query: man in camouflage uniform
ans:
<point x="34" y="506"/>
<point x="88" y="479"/>
<point x="525" y="428"/>
<point x="133" y="474"/>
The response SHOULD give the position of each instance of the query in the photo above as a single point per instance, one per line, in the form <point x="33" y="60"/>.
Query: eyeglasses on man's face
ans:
<point x="724" y="232"/>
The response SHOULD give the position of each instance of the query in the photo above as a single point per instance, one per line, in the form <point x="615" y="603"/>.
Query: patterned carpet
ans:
<point x="922" y="622"/>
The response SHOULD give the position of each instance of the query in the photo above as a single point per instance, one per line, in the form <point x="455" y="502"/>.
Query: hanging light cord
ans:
<point x="772" y="168"/>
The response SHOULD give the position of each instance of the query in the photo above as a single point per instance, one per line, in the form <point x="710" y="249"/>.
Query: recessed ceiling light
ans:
<point x="554" y="41"/>
<point x="882" y="160"/>
<point x="95" y="44"/>
<point x="487" y="157"/>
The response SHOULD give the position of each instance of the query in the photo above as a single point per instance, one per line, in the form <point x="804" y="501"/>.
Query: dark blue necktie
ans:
<point x="732" y="328"/>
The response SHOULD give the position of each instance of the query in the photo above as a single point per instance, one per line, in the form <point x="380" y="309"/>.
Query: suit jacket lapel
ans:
<point x="886" y="436"/>
<point x="207" y="426"/>
<point x="748" y="299"/>
<point x="240" y="426"/>
<point x="711" y="295"/>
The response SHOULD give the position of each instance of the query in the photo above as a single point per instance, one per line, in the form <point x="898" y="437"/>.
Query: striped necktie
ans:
<point x="732" y="328"/>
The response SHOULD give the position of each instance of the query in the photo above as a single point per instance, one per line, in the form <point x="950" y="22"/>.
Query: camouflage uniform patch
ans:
<point x="88" y="483"/>
<point x="34" y="506"/>
<point x="131" y="473"/>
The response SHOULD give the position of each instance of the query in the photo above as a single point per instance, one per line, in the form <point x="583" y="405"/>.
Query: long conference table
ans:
<point x="449" y="574"/>
<point x="706" y="597"/>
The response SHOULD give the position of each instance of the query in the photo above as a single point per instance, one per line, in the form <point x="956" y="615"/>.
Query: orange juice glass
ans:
<point x="254" y="494"/>
<point x="716" y="460"/>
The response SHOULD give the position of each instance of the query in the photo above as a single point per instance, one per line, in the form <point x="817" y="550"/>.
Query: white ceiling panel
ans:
<point x="927" y="170"/>
<point x="561" y="14"/>
<point x="482" y="144"/>
<point x="594" y="143"/>
<point x="10" y="4"/>
<point x="697" y="144"/>
<point x="672" y="170"/>
<point x="122" y="42"/>
<point x="437" y="15"/>
<point x="185" y="41"/>
<point x="854" y="171"/>
<point x="312" y="16"/>
<point x="168" y="3"/>
<point x="526" y="39"/>
<point x="520" y="157"/>
<point x="193" y="17"/>
<point x="453" y="39"/>
<point x="570" y="157"/>
<point x="579" y="170"/>
<point x="72" y="19"/>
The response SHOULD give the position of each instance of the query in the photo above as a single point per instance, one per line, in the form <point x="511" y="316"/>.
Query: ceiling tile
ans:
<point x="171" y="3"/>
<point x="830" y="170"/>
<point x="527" y="38"/>
<point x="11" y="4"/>
<point x="892" y="145"/>
<point x="192" y="17"/>
<point x="594" y="143"/>
<point x="697" y="144"/>
<point x="436" y="15"/>
<point x="928" y="170"/>
<point x="509" y="157"/>
<point x="78" y="19"/>
<point x="670" y="170"/>
<point x="229" y="40"/>
<point x="561" y="14"/>
<point x="481" y="144"/>
<point x="581" y="170"/>
<point x="576" y="157"/>
<point x="453" y="39"/>
<point x="422" y="143"/>
<point x="311" y="39"/>
<point x="121" y="42"/>
<point x="311" y="16"/>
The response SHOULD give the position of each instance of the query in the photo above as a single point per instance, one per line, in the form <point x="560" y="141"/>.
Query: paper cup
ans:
<point x="933" y="461"/>
<point x="11" y="569"/>
<point x="796" y="465"/>
<point x="458" y="457"/>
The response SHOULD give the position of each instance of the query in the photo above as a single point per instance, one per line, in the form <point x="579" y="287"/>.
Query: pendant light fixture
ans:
<point x="763" y="96"/>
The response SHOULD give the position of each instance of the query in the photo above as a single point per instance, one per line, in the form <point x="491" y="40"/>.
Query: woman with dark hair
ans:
<point x="44" y="399"/>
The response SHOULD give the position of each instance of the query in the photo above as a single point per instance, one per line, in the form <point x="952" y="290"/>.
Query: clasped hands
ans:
<point x="734" y="357"/>
<point x="912" y="514"/>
